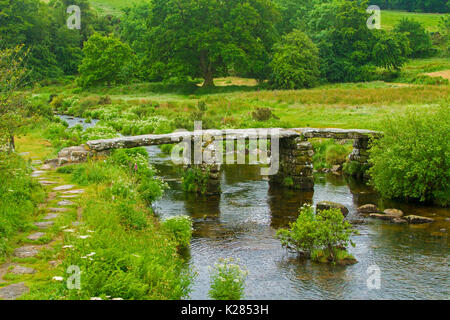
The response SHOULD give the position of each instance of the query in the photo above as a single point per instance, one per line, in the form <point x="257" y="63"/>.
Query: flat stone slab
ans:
<point x="44" y="224"/>
<point x="77" y="191"/>
<point x="368" y="208"/>
<point x="50" y="216"/>
<point x="47" y="182"/>
<point x="36" y="236"/>
<point x="65" y="203"/>
<point x="63" y="187"/>
<point x="22" y="270"/>
<point x="25" y="252"/>
<point x="37" y="173"/>
<point x="13" y="291"/>
<point x="58" y="209"/>
<point x="46" y="167"/>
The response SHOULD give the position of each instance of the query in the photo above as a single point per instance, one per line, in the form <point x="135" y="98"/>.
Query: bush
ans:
<point x="328" y="153"/>
<point x="325" y="232"/>
<point x="227" y="281"/>
<point x="195" y="180"/>
<point x="180" y="227"/>
<point x="295" y="62"/>
<point x="412" y="159"/>
<point x="419" y="38"/>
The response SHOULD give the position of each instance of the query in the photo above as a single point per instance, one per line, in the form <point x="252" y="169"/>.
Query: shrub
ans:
<point x="412" y="159"/>
<point x="325" y="232"/>
<point x="328" y="153"/>
<point x="195" y="180"/>
<point x="227" y="281"/>
<point x="180" y="227"/>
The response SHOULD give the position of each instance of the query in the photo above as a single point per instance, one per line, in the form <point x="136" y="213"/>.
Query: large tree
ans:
<point x="209" y="37"/>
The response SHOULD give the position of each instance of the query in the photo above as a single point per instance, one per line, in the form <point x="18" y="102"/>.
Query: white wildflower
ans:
<point x="56" y="278"/>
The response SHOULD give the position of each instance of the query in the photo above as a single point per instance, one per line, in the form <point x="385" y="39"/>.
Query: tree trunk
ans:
<point x="207" y="70"/>
<point x="12" y="145"/>
<point x="209" y="79"/>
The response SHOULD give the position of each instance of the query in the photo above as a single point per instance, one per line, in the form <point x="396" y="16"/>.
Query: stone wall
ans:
<point x="76" y="154"/>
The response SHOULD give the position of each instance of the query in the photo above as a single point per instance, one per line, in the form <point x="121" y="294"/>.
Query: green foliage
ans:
<point x="227" y="280"/>
<point x="195" y="180"/>
<point x="206" y="38"/>
<point x="295" y="62"/>
<point x="106" y="61"/>
<point x="441" y="6"/>
<point x="390" y="50"/>
<point x="180" y="228"/>
<point x="444" y="30"/>
<point x="419" y="38"/>
<point x="328" y="153"/>
<point x="19" y="197"/>
<point x="411" y="161"/>
<point x="324" y="230"/>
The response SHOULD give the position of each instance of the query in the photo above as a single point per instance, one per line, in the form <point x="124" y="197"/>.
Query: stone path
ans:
<point x="15" y="290"/>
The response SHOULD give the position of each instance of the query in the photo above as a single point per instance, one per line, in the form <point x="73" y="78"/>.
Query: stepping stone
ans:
<point x="69" y="197"/>
<point x="47" y="182"/>
<point x="25" y="252"/>
<point x="65" y="203"/>
<point x="37" y="173"/>
<point x="24" y="153"/>
<point x="36" y="236"/>
<point x="50" y="216"/>
<point x="46" y="167"/>
<point x="36" y="162"/>
<point x="418" y="219"/>
<point x="44" y="225"/>
<point x="64" y="187"/>
<point x="22" y="270"/>
<point x="13" y="291"/>
<point x="77" y="191"/>
<point x="58" y="209"/>
<point x="76" y="223"/>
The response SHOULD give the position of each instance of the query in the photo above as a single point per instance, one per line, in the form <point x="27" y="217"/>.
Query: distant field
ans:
<point x="112" y="6"/>
<point x="390" y="18"/>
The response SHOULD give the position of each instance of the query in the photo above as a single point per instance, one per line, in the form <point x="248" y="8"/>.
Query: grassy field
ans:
<point x="429" y="20"/>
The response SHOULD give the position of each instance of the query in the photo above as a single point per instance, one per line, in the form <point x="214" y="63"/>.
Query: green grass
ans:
<point x="106" y="7"/>
<point x="429" y="20"/>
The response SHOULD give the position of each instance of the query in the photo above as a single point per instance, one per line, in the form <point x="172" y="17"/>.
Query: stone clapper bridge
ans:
<point x="291" y="151"/>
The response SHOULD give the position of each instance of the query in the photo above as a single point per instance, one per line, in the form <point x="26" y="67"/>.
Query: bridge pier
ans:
<point x="295" y="167"/>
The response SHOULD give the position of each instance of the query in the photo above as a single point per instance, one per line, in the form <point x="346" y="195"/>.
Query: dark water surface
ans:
<point x="242" y="223"/>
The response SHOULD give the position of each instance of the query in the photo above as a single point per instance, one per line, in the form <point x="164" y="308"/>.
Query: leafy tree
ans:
<point x="444" y="29"/>
<point x="14" y="111"/>
<point x="441" y="6"/>
<point x="105" y="61"/>
<point x="209" y="37"/>
<point x="419" y="38"/>
<point x="293" y="14"/>
<point x="325" y="230"/>
<point x="390" y="50"/>
<point x="295" y="62"/>
<point x="412" y="160"/>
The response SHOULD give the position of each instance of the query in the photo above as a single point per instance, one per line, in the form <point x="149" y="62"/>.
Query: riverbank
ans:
<point x="94" y="220"/>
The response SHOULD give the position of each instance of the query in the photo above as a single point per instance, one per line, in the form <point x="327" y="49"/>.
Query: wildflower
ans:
<point x="69" y="230"/>
<point x="69" y="246"/>
<point x="90" y="254"/>
<point x="96" y="298"/>
<point x="56" y="278"/>
<point x="84" y="237"/>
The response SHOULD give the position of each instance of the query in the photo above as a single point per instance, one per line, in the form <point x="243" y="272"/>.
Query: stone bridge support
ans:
<point x="295" y="168"/>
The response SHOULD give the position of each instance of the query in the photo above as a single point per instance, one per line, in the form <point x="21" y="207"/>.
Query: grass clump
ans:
<point x="227" y="280"/>
<point x="181" y="229"/>
<point x="328" y="152"/>
<point x="19" y="197"/>
<point x="195" y="180"/>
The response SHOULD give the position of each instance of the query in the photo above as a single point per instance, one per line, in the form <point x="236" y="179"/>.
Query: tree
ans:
<point x="390" y="50"/>
<point x="13" y="106"/>
<point x="293" y="14"/>
<point x="105" y="60"/>
<point x="209" y="37"/>
<point x="444" y="29"/>
<point x="295" y="62"/>
<point x="419" y="38"/>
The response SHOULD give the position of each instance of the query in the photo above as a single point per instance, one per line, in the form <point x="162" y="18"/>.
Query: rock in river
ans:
<point x="325" y="205"/>
<point x="395" y="213"/>
<point x="368" y="208"/>
<point x="418" y="219"/>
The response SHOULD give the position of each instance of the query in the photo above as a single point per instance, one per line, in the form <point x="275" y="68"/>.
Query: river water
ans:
<point x="241" y="223"/>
